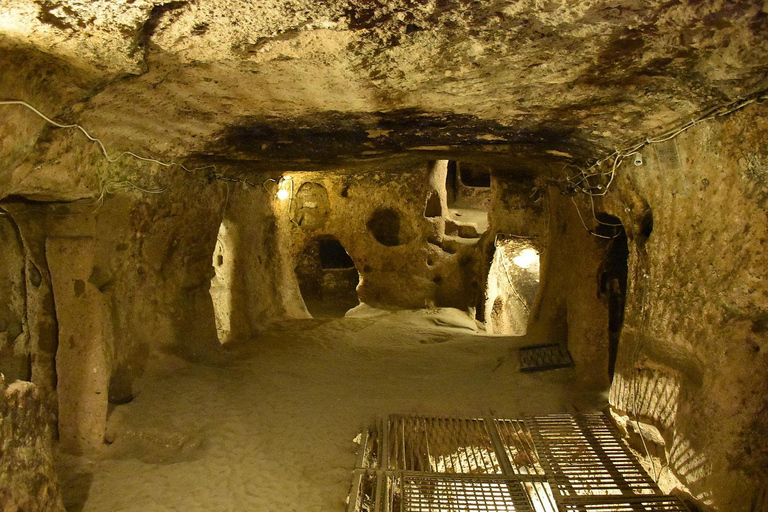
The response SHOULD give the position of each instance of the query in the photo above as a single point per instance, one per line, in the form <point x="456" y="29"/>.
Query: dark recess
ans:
<point x="333" y="255"/>
<point x="384" y="225"/>
<point x="433" y="207"/>
<point x="613" y="280"/>
<point x="646" y="226"/>
<point x="475" y="175"/>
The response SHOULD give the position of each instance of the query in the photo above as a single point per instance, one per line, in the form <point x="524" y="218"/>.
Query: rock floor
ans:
<point x="273" y="427"/>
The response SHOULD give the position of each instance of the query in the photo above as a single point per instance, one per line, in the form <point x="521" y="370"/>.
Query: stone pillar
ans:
<point x="27" y="477"/>
<point x="81" y="366"/>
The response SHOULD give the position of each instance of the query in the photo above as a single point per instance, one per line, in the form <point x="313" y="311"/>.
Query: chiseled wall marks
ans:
<point x="697" y="302"/>
<point x="27" y="477"/>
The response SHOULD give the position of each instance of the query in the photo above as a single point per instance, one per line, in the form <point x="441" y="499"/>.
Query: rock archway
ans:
<point x="327" y="278"/>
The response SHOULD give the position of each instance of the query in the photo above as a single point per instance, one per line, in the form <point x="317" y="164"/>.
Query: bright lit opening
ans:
<point x="526" y="259"/>
<point x="513" y="281"/>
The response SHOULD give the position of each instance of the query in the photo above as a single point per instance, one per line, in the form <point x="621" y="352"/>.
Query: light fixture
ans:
<point x="284" y="188"/>
<point x="526" y="259"/>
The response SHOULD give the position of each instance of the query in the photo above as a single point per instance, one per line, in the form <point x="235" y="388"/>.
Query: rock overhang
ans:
<point x="347" y="81"/>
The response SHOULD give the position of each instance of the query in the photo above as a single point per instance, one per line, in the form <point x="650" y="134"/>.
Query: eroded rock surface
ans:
<point x="326" y="81"/>
<point x="27" y="477"/>
<point x="363" y="104"/>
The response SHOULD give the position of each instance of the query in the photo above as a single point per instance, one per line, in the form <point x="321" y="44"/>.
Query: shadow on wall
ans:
<point x="327" y="278"/>
<point x="645" y="402"/>
<point x="613" y="280"/>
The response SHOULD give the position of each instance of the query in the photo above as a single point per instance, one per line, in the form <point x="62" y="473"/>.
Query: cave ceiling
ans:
<point x="310" y="82"/>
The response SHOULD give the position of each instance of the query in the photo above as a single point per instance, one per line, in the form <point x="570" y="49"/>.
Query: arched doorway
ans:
<point x="613" y="277"/>
<point x="327" y="278"/>
<point x="512" y="285"/>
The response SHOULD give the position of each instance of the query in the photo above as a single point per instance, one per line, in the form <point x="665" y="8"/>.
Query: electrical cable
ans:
<point x="104" y="151"/>
<point x="594" y="216"/>
<point x="584" y="175"/>
<point x="109" y="188"/>
<point x="598" y="235"/>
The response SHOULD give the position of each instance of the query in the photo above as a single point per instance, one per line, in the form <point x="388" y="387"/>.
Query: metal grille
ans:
<point x="557" y="463"/>
<point x="668" y="155"/>
<point x="443" y="493"/>
<point x="363" y="496"/>
<point x="519" y="448"/>
<point x="441" y="445"/>
<point x="587" y="458"/>
<point x="544" y="357"/>
<point x="644" y="504"/>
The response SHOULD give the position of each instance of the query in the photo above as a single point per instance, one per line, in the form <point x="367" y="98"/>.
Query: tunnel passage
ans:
<point x="468" y="192"/>
<point x="613" y="279"/>
<point x="327" y="278"/>
<point x="513" y="282"/>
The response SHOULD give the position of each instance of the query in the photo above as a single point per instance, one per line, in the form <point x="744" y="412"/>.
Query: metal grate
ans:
<point x="519" y="448"/>
<point x="363" y="496"/>
<point x="544" y="357"/>
<point x="441" y="445"/>
<point x="668" y="155"/>
<point x="444" y="493"/>
<point x="587" y="458"/>
<point x="644" y="504"/>
<point x="557" y="463"/>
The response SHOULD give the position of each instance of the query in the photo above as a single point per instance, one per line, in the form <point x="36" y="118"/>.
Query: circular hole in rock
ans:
<point x="386" y="227"/>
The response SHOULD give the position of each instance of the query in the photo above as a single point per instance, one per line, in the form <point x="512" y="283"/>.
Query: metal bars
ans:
<point x="544" y="357"/>
<point x="441" y="445"/>
<point x="629" y="504"/>
<point x="449" y="493"/>
<point x="587" y="458"/>
<point x="557" y="463"/>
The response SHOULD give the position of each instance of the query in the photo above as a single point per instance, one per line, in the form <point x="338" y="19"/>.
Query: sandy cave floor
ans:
<point x="273" y="428"/>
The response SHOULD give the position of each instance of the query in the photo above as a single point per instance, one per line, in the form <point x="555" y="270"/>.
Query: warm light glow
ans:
<point x="12" y="21"/>
<point x="526" y="259"/>
<point x="284" y="188"/>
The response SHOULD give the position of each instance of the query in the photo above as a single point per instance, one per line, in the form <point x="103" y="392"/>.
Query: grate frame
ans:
<point x="539" y="358"/>
<point x="586" y="457"/>
<point x="471" y="493"/>
<point x="554" y="463"/>
<point x="441" y="445"/>
<point x="626" y="504"/>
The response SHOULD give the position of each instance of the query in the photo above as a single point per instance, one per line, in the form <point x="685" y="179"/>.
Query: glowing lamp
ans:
<point x="526" y="259"/>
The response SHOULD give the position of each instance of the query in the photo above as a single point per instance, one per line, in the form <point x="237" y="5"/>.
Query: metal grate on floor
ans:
<point x="544" y="357"/>
<point x="519" y="447"/>
<point x="644" y="504"/>
<point x="587" y="458"/>
<point x="437" y="493"/>
<point x="557" y="463"/>
<point x="441" y="445"/>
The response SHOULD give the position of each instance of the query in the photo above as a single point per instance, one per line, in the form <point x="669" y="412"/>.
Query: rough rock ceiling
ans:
<point x="302" y="80"/>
